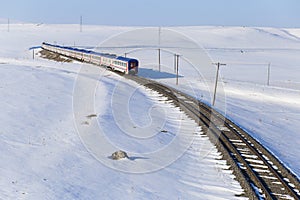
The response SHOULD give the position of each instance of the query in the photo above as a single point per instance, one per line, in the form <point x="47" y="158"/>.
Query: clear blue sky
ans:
<point x="275" y="13"/>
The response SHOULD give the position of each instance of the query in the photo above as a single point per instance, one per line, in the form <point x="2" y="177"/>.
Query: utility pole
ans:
<point x="80" y="23"/>
<point x="159" y="34"/>
<point x="269" y="69"/>
<point x="7" y="24"/>
<point x="158" y="59"/>
<point x="216" y="82"/>
<point x="174" y="63"/>
<point x="177" y="65"/>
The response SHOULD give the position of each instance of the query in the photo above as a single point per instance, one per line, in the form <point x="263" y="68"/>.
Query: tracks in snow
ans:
<point x="261" y="174"/>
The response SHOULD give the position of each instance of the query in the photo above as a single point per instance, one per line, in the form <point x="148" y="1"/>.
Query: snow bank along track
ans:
<point x="259" y="172"/>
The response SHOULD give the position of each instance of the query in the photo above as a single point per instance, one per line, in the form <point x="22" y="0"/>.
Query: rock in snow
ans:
<point x="119" y="155"/>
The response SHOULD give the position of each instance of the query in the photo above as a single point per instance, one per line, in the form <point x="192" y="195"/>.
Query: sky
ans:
<point x="266" y="13"/>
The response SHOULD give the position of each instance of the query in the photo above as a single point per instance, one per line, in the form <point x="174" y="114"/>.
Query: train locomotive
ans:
<point x="110" y="61"/>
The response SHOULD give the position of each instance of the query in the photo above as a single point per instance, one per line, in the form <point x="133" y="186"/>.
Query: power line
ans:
<point x="241" y="63"/>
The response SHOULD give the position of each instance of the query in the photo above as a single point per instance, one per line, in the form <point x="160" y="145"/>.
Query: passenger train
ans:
<point x="110" y="61"/>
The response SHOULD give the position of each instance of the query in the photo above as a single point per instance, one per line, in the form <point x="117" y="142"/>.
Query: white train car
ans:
<point x="113" y="62"/>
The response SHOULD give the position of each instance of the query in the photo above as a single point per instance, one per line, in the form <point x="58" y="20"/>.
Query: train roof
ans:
<point x="83" y="50"/>
<point x="94" y="53"/>
<point x="126" y="59"/>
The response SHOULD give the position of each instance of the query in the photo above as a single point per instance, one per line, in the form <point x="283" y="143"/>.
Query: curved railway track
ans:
<point x="261" y="174"/>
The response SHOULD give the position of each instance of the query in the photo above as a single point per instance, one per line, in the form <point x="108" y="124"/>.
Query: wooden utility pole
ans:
<point x="8" y="23"/>
<point x="158" y="59"/>
<point x="216" y="82"/>
<point x="80" y="23"/>
<point x="174" y="63"/>
<point x="269" y="69"/>
<point x="177" y="66"/>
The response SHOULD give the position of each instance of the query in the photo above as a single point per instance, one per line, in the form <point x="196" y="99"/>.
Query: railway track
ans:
<point x="261" y="174"/>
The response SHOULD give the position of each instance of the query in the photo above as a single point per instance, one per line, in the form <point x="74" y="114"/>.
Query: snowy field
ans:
<point x="44" y="157"/>
<point x="270" y="113"/>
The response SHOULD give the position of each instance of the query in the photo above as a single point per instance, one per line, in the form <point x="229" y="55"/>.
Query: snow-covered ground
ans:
<point x="44" y="157"/>
<point x="270" y="113"/>
<point x="259" y="88"/>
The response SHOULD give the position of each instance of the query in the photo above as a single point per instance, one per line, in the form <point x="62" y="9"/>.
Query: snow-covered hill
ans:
<point x="44" y="157"/>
